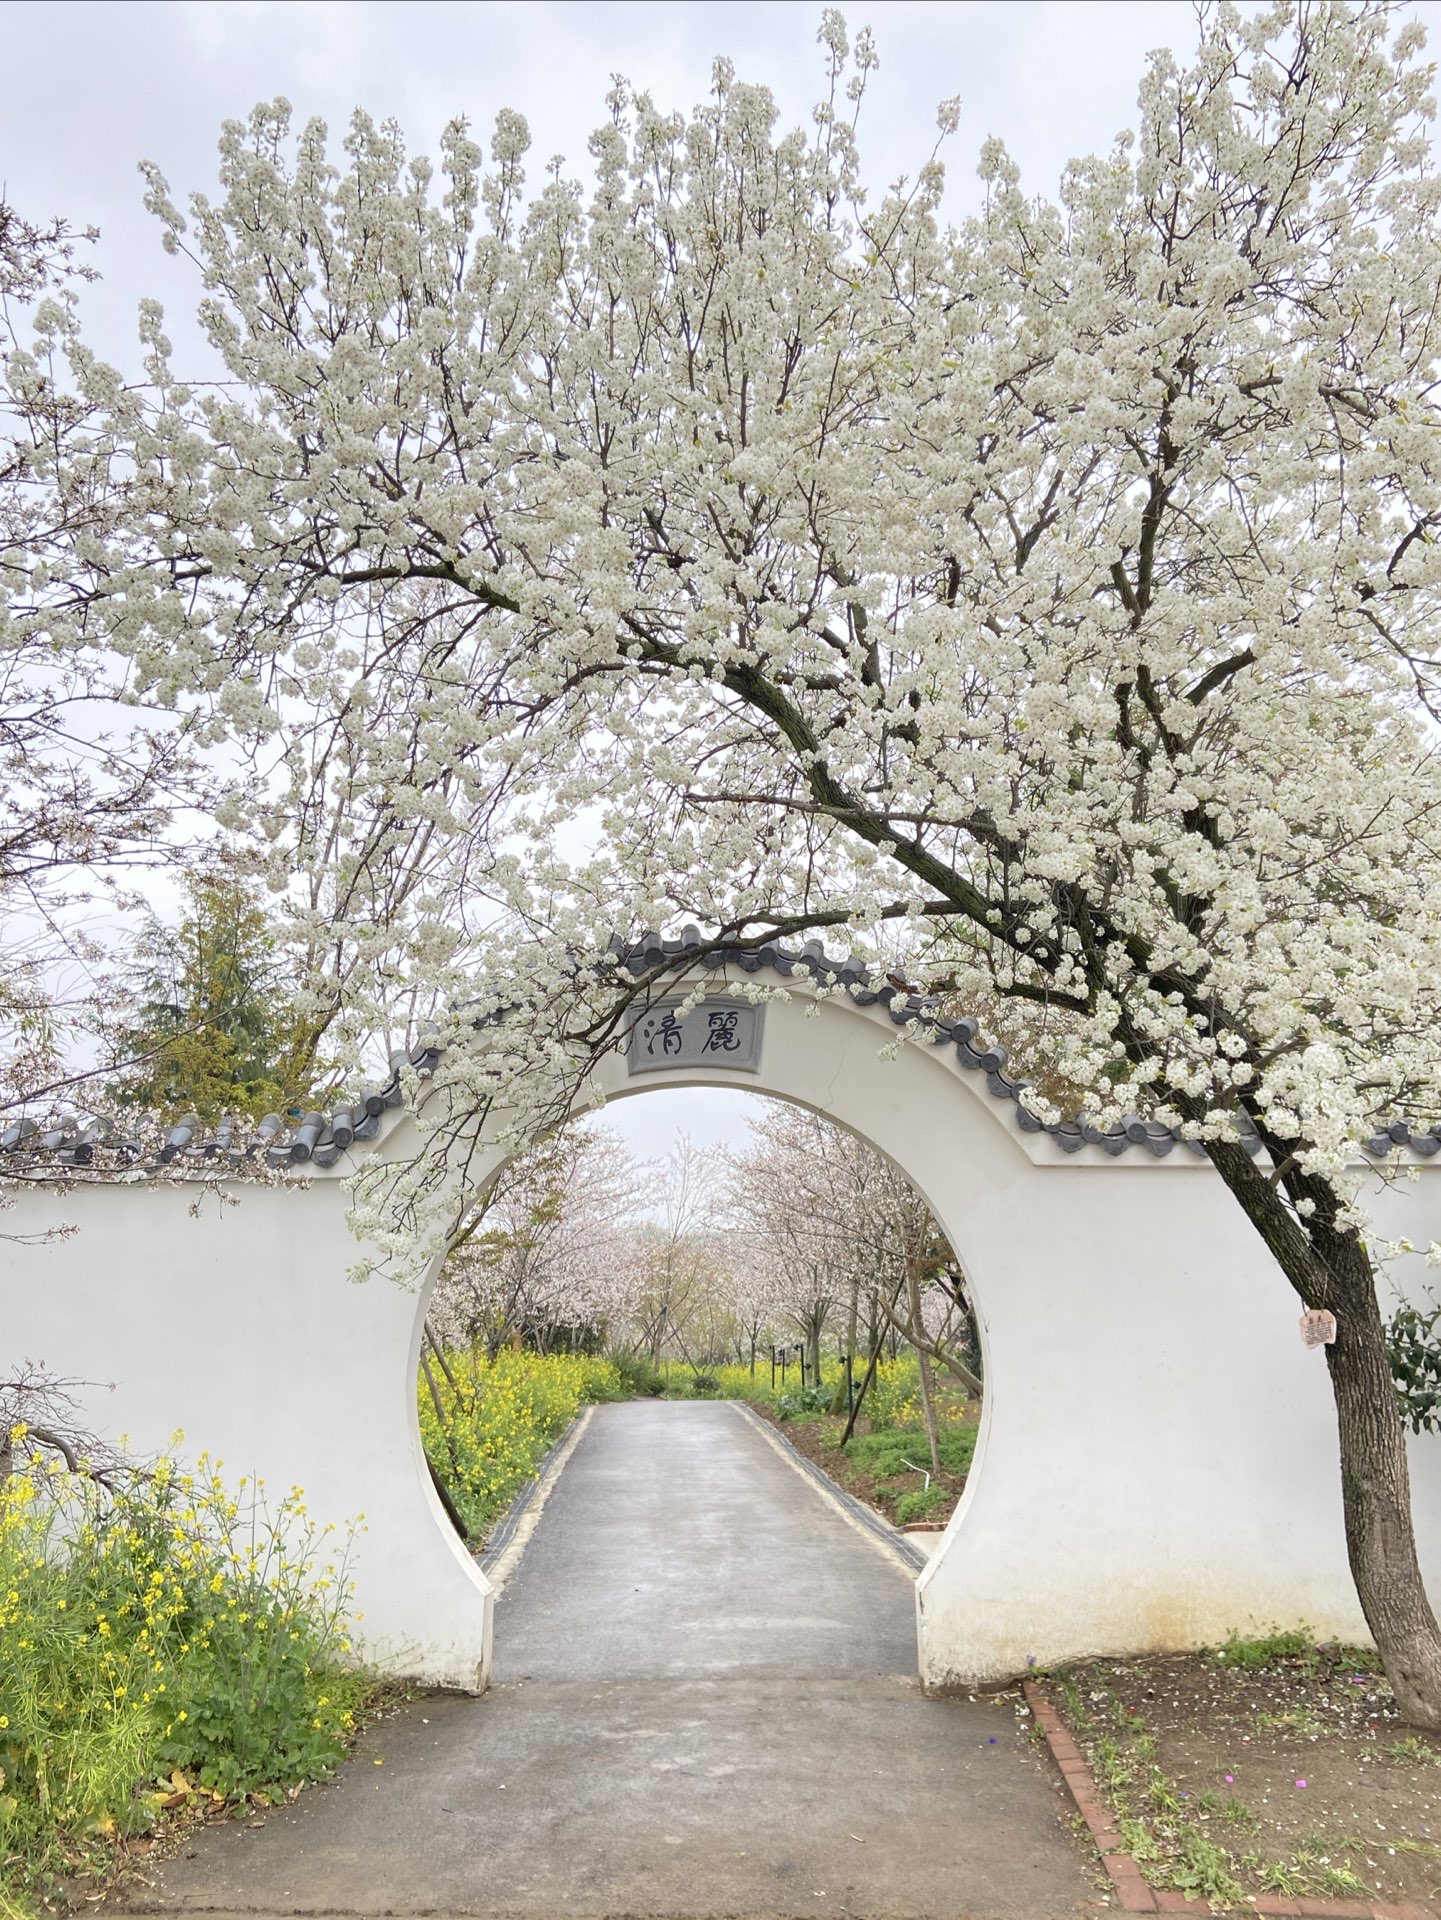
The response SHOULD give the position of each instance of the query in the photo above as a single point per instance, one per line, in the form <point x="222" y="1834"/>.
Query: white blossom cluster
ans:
<point x="1053" y="597"/>
<point x="552" y="1252"/>
<point x="820" y="1229"/>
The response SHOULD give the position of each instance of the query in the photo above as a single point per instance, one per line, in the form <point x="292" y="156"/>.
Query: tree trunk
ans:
<point x="1329" y="1267"/>
<point x="444" y="1364"/>
<point x="1376" y="1494"/>
<point x="923" y="1360"/>
<point x="906" y="1330"/>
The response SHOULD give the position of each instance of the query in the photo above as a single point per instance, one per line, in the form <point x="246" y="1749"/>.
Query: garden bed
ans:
<point x="1268" y="1767"/>
<point x="886" y="1467"/>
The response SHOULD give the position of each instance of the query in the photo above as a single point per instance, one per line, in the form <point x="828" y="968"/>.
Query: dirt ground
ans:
<point x="1265" y="1767"/>
<point x="819" y="1440"/>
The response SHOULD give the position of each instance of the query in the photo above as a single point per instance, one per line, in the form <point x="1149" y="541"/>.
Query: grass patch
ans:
<point x="920" y="1502"/>
<point x="1188" y="1843"/>
<point x="892" y="1451"/>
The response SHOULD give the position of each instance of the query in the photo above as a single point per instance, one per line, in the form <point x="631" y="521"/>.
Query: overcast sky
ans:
<point x="90" y="89"/>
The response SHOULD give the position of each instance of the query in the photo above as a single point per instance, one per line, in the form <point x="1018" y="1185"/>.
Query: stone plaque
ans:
<point x="717" y="1033"/>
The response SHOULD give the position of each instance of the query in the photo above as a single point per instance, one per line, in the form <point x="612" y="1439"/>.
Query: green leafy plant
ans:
<point x="1280" y="1643"/>
<point x="893" y="1451"/>
<point x="639" y="1378"/>
<point x="803" y="1403"/>
<point x="1414" y="1350"/>
<point x="924" y="1500"/>
<point x="160" y="1628"/>
<point x="1202" y="1871"/>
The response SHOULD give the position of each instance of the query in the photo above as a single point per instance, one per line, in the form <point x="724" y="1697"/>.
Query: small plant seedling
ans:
<point x="1109" y="1764"/>
<point x="1289" y="1643"/>
<point x="1075" y="1705"/>
<point x="1161" y="1792"/>
<point x="1341" y="1881"/>
<point x="1279" y="1876"/>
<point x="1137" y="1837"/>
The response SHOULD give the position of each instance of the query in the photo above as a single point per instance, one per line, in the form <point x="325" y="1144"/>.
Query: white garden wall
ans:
<point x="1158" y="1459"/>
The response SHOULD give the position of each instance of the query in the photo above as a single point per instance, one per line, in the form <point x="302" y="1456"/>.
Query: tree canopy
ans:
<point x="215" y="1026"/>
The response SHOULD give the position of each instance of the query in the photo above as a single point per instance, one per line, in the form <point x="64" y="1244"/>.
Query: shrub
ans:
<point x="803" y="1403"/>
<point x="737" y="1382"/>
<point x="498" y="1420"/>
<point x="160" y="1626"/>
<point x="638" y="1376"/>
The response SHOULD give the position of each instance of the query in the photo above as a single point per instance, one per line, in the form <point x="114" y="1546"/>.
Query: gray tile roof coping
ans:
<point x="115" y="1144"/>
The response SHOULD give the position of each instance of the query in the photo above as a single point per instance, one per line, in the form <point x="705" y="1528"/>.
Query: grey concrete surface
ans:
<point x="705" y="1705"/>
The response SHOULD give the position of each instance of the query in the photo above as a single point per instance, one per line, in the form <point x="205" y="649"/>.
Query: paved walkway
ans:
<point x="705" y="1704"/>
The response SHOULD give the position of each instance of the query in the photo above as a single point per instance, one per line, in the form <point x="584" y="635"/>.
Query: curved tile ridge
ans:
<point x="654" y="953"/>
<point x="112" y="1146"/>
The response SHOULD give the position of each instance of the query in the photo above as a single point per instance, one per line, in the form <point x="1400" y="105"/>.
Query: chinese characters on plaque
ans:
<point x="717" y="1033"/>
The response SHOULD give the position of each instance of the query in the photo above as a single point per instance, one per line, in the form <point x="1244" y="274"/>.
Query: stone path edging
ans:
<point x="508" y="1541"/>
<point x="1133" y="1889"/>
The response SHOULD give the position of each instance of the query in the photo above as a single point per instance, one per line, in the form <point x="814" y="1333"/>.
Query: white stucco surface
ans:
<point x="1157" y="1463"/>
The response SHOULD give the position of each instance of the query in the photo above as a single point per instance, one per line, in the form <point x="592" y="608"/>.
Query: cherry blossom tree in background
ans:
<point x="753" y="1294"/>
<point x="1054" y="596"/>
<point x="841" y="1236"/>
<point x="550" y="1256"/>
<point x="680" y="1258"/>
<point x="775" y="1210"/>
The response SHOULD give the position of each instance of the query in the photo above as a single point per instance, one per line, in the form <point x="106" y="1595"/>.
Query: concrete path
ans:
<point x="705" y="1705"/>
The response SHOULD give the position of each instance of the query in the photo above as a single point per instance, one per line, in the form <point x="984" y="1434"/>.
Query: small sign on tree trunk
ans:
<point x="1318" y="1327"/>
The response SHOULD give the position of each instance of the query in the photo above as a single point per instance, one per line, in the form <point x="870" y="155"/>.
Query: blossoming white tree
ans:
<point x="841" y="1236"/>
<point x="91" y="783"/>
<point x="551" y="1251"/>
<point x="1062" y="586"/>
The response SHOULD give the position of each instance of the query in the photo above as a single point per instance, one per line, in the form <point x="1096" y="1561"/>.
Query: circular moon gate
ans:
<point x="1157" y="1458"/>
